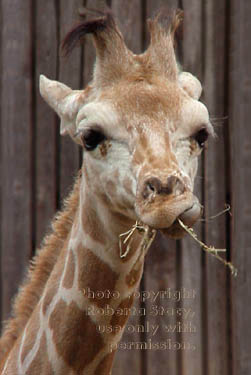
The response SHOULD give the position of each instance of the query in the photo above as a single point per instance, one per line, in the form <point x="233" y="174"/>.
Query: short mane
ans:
<point x="89" y="26"/>
<point x="39" y="272"/>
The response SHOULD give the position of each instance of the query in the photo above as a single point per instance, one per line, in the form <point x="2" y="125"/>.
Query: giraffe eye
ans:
<point x="201" y="137"/>
<point x="92" y="138"/>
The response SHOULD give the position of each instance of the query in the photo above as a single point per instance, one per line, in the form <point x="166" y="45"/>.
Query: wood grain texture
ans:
<point x="240" y="153"/>
<point x="191" y="257"/>
<point x="129" y="18"/>
<point x="161" y="276"/>
<point x="16" y="141"/>
<point x="45" y="118"/>
<point x="1" y="157"/>
<point x="215" y="276"/>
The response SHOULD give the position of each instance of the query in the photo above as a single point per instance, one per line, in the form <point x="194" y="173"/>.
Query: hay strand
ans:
<point x="147" y="239"/>
<point x="227" y="209"/>
<point x="210" y="249"/>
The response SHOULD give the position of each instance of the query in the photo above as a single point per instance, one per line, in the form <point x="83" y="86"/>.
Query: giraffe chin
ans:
<point x="169" y="224"/>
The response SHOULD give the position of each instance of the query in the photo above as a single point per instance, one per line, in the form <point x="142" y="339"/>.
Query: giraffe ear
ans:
<point x="65" y="102"/>
<point x="190" y="84"/>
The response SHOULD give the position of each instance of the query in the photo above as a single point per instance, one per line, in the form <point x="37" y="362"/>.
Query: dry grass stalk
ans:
<point x="150" y="233"/>
<point x="147" y="239"/>
<point x="209" y="249"/>
<point x="227" y="209"/>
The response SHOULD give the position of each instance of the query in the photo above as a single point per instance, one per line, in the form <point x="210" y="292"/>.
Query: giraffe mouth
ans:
<point x="166" y="217"/>
<point x="163" y="212"/>
<point x="188" y="217"/>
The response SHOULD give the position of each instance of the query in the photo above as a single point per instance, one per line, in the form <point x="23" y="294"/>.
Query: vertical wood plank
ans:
<point x="70" y="74"/>
<point x="161" y="275"/>
<point x="129" y="19"/>
<point x="1" y="156"/>
<point x="217" y="292"/>
<point x="15" y="145"/>
<point x="46" y="130"/>
<point x="153" y="7"/>
<point x="239" y="154"/>
<point x="190" y="272"/>
<point x="128" y="16"/>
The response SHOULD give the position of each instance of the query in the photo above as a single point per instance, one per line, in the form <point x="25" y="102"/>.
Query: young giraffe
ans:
<point x="142" y="128"/>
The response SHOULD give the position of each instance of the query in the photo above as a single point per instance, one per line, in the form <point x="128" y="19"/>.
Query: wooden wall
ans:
<point x="37" y="169"/>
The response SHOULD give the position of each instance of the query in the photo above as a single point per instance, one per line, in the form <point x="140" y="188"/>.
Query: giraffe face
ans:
<point x="141" y="141"/>
<point x="141" y="144"/>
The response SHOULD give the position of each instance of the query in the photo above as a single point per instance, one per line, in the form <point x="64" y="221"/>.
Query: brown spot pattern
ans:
<point x="72" y="331"/>
<point x="111" y="188"/>
<point x="12" y="367"/>
<point x="31" y="334"/>
<point x="119" y="319"/>
<point x="115" y="175"/>
<point x="104" y="199"/>
<point x="92" y="225"/>
<point x="105" y="365"/>
<point x="95" y="276"/>
<point x="127" y="183"/>
<point x="138" y="157"/>
<point x="54" y="279"/>
<point x="143" y="141"/>
<point x="69" y="273"/>
<point x="103" y="149"/>
<point x="48" y="298"/>
<point x="41" y="364"/>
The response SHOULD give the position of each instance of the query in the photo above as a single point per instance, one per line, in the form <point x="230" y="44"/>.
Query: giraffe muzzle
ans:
<point x="160" y="204"/>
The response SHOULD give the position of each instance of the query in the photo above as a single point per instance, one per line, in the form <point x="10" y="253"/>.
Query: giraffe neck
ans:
<point x="82" y="313"/>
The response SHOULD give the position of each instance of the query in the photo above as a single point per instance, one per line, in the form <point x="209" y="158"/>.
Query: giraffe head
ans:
<point x="140" y="123"/>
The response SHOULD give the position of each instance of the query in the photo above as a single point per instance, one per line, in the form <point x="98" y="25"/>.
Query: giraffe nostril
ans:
<point x="151" y="186"/>
<point x="175" y="185"/>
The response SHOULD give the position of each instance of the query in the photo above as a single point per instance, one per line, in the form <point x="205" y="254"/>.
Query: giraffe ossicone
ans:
<point x="142" y="128"/>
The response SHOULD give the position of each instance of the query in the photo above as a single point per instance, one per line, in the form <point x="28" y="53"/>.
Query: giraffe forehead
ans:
<point x="138" y="101"/>
<point x="159" y="110"/>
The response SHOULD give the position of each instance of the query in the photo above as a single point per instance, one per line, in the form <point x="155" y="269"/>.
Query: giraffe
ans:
<point x="142" y="128"/>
